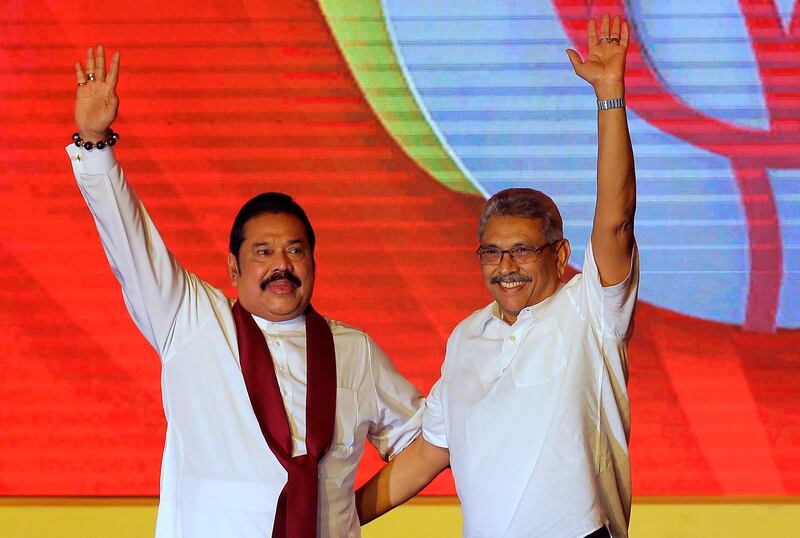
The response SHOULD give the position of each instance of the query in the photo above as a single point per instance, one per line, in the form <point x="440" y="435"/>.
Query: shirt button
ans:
<point x="285" y="392"/>
<point x="277" y="342"/>
<point x="512" y="338"/>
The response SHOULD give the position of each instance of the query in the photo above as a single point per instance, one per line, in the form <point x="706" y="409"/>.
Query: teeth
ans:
<point x="511" y="285"/>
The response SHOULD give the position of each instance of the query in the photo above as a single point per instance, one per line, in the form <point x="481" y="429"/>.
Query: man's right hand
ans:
<point x="96" y="102"/>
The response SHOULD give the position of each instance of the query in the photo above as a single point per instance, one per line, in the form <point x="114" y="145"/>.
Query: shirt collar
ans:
<point x="293" y="325"/>
<point x="533" y="312"/>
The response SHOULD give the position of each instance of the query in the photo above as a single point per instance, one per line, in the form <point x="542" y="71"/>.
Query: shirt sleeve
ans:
<point x="153" y="282"/>
<point x="400" y="406"/>
<point x="611" y="307"/>
<point x="433" y="423"/>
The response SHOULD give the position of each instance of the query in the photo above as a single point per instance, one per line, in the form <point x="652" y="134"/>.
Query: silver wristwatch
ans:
<point x="606" y="104"/>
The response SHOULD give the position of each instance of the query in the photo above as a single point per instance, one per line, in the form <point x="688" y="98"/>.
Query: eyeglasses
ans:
<point x="494" y="255"/>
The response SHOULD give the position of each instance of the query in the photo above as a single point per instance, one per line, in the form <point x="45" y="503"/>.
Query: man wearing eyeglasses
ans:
<point x="532" y="402"/>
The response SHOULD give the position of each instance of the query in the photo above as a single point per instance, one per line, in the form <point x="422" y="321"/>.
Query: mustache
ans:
<point x="280" y="275"/>
<point x="511" y="277"/>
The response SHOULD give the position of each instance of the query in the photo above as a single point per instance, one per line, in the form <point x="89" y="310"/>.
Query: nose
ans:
<point x="282" y="262"/>
<point x="507" y="264"/>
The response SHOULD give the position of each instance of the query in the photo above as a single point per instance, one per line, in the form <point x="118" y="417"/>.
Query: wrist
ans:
<point x="94" y="136"/>
<point x="102" y="142"/>
<point x="608" y="104"/>
<point x="609" y="90"/>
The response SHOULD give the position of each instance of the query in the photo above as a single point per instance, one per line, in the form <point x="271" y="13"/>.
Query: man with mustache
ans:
<point x="268" y="404"/>
<point x="532" y="406"/>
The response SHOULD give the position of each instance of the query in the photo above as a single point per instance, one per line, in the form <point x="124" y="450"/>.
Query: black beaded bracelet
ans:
<point x="113" y="138"/>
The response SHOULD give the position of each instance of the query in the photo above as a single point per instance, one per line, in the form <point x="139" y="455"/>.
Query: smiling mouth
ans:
<point x="512" y="285"/>
<point x="511" y="282"/>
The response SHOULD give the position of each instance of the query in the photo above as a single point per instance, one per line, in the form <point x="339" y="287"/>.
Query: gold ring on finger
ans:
<point x="81" y="84"/>
<point x="604" y="39"/>
<point x="613" y="40"/>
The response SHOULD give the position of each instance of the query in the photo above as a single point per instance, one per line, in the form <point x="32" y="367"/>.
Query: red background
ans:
<point x="220" y="101"/>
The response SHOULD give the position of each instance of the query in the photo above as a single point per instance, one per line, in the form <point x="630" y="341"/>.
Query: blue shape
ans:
<point x="703" y="53"/>
<point x="494" y="81"/>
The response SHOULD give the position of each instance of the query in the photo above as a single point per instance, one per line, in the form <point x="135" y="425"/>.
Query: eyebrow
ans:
<point x="492" y="245"/>
<point x="269" y="244"/>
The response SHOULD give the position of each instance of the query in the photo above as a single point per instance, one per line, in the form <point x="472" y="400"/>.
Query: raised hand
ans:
<point x="96" y="102"/>
<point x="604" y="67"/>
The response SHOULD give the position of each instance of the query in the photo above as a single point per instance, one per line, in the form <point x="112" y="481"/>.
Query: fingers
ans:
<point x="577" y="62"/>
<point x="100" y="67"/>
<point x="623" y="36"/>
<point x="574" y="59"/>
<point x="79" y="74"/>
<point x="89" y="62"/>
<point x="113" y="73"/>
<point x="611" y="31"/>
<point x="604" y="31"/>
<point x="96" y="67"/>
<point x="614" y="34"/>
<point x="604" y="65"/>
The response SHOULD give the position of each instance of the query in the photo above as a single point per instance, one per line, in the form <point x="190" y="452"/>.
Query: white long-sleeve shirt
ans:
<point x="218" y="476"/>
<point x="536" y="414"/>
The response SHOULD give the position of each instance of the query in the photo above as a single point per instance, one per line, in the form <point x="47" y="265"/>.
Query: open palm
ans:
<point x="604" y="66"/>
<point x="96" y="102"/>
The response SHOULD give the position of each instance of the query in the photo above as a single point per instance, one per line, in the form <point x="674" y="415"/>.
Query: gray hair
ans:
<point x="528" y="203"/>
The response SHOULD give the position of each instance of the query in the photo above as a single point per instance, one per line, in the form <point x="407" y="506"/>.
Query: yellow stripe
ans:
<point x="360" y="31"/>
<point x="653" y="517"/>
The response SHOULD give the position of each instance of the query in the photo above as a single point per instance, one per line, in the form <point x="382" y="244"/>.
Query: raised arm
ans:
<point x="604" y="69"/>
<point x="401" y="479"/>
<point x="153" y="283"/>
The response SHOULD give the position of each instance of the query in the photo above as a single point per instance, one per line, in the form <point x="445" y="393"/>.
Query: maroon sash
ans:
<point x="296" y="515"/>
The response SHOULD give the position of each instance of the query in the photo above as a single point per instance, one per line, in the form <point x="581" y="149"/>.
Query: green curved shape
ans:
<point x="359" y="28"/>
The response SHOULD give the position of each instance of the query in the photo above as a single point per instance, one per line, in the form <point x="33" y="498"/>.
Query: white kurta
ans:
<point x="536" y="414"/>
<point x="219" y="478"/>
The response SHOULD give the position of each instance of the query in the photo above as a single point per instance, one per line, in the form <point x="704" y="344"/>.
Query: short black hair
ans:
<point x="267" y="202"/>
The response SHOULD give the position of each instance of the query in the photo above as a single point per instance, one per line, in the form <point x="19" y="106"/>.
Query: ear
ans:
<point x="233" y="269"/>
<point x="562" y="256"/>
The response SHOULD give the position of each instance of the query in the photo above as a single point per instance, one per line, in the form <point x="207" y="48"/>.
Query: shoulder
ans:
<point x="359" y="358"/>
<point x="471" y="326"/>
<point x="352" y="337"/>
<point x="199" y="296"/>
<point x="474" y="322"/>
<point x="340" y="328"/>
<point x="571" y="288"/>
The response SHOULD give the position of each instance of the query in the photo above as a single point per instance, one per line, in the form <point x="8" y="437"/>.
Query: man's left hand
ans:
<point x="604" y="67"/>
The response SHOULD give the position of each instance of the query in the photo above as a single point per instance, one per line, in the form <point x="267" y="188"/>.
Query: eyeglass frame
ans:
<point x="535" y="251"/>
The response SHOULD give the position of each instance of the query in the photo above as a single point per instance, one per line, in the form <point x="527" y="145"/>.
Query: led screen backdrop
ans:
<point x="390" y="122"/>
